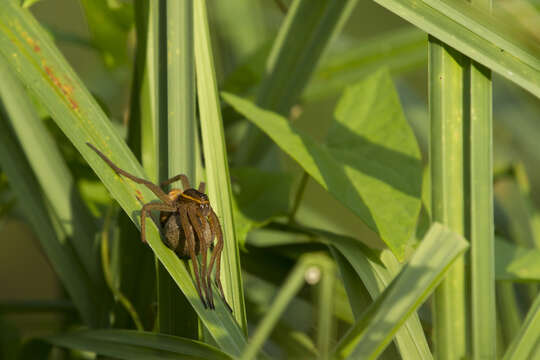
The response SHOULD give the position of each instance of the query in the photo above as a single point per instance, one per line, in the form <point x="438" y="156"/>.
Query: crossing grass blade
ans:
<point x="476" y="35"/>
<point x="416" y="280"/>
<point x="136" y="345"/>
<point x="217" y="168"/>
<point x="40" y="66"/>
<point x="525" y="344"/>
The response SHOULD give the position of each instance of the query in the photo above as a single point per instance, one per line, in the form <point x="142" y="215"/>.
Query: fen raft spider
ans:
<point x="189" y="226"/>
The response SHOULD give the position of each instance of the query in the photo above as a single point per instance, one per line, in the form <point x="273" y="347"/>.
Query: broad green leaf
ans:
<point x="306" y="31"/>
<point x="526" y="343"/>
<point x="128" y="344"/>
<point x="416" y="280"/>
<point x="217" y="167"/>
<point x="41" y="67"/>
<point x="516" y="263"/>
<point x="398" y="50"/>
<point x="477" y="34"/>
<point x="371" y="162"/>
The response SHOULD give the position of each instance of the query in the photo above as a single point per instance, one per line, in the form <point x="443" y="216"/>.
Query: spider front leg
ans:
<point x="216" y="254"/>
<point x="190" y="239"/>
<point x="146" y="211"/>
<point x="202" y="186"/>
<point x="182" y="177"/>
<point x="153" y="187"/>
<point x="203" y="231"/>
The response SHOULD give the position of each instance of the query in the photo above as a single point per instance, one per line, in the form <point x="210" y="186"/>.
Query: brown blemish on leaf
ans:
<point x="66" y="89"/>
<point x="139" y="195"/>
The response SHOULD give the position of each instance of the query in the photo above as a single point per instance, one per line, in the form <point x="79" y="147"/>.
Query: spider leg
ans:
<point x="202" y="186"/>
<point x="190" y="238"/>
<point x="153" y="187"/>
<point x="216" y="254"/>
<point x="199" y="222"/>
<point x="146" y="211"/>
<point x="182" y="177"/>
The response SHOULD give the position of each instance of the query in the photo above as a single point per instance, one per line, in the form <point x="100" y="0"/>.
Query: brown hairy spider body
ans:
<point x="189" y="227"/>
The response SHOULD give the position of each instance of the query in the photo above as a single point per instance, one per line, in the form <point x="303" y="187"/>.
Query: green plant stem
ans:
<point x="177" y="156"/>
<point x="447" y="172"/>
<point x="482" y="236"/>
<point x="118" y="295"/>
<point x="299" y="195"/>
<point x="325" y="309"/>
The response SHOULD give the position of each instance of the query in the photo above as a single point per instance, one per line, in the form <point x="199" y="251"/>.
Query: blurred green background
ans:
<point x="242" y="30"/>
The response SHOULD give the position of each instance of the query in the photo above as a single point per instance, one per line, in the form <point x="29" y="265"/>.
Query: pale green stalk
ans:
<point x="482" y="236"/>
<point x="447" y="172"/>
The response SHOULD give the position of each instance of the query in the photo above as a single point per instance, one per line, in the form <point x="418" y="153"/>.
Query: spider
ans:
<point x="182" y="212"/>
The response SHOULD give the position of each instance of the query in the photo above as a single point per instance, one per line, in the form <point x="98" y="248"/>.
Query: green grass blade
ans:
<point x="517" y="63"/>
<point x="59" y="252"/>
<point x="375" y="269"/>
<point x="178" y="156"/>
<point x="51" y="171"/>
<point x="525" y="345"/>
<point x="376" y="277"/>
<point x="326" y="327"/>
<point x="136" y="345"/>
<point x="482" y="236"/>
<point x="431" y="261"/>
<point x="39" y="64"/>
<point x="217" y="169"/>
<point x="376" y="174"/>
<point x="399" y="51"/>
<point x="447" y="173"/>
<point x="306" y="31"/>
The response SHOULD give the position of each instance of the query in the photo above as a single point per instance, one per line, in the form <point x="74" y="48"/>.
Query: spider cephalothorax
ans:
<point x="189" y="225"/>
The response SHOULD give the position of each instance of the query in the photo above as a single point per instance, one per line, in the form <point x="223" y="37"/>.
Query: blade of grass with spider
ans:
<point x="38" y="63"/>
